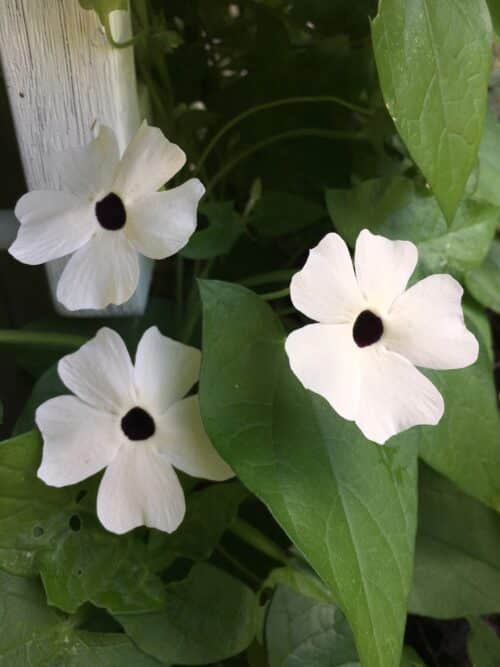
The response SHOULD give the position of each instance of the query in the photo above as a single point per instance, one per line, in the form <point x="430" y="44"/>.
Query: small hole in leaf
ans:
<point x="80" y="496"/>
<point x="79" y="573"/>
<point x="75" y="523"/>
<point x="38" y="531"/>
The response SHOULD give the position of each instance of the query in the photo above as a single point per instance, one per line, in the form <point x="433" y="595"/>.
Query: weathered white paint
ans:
<point x="62" y="78"/>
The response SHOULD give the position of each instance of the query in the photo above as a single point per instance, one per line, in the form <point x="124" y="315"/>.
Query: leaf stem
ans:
<point x="267" y="278"/>
<point x="249" y="534"/>
<point x="282" y="136"/>
<point x="279" y="294"/>
<point x="40" y="339"/>
<point x="304" y="99"/>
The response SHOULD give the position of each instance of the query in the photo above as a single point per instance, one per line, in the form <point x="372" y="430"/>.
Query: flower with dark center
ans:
<point x="104" y="193"/>
<point x="132" y="421"/>
<point x="371" y="332"/>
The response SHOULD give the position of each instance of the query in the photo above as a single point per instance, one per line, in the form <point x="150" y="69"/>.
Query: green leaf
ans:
<point x="457" y="571"/>
<point x="278" y="213"/>
<point x="300" y="581"/>
<point x="348" y="505"/>
<point x="483" y="644"/>
<point x="209" y="513"/>
<point x="488" y="181"/>
<point x="484" y="281"/>
<point x="224" y="229"/>
<point x="464" y="445"/>
<point x="54" y="532"/>
<point x="207" y="617"/>
<point x="433" y="61"/>
<point x="303" y="632"/>
<point x="34" y="634"/>
<point x="396" y="210"/>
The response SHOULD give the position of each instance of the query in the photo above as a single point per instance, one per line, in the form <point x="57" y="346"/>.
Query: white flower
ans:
<point x="134" y="422"/>
<point x="371" y="333"/>
<point x="108" y="212"/>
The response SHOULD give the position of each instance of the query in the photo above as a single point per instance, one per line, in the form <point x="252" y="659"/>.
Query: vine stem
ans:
<point x="40" y="339"/>
<point x="281" y="275"/>
<point x="260" y="542"/>
<point x="279" y="294"/>
<point x="304" y="99"/>
<point x="282" y="136"/>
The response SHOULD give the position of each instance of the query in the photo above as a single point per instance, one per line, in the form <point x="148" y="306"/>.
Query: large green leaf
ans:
<point x="433" y="60"/>
<point x="207" y="617"/>
<point x="34" y="634"/>
<point x="483" y="644"/>
<point x="457" y="571"/>
<point x="348" y="505"/>
<point x="303" y="632"/>
<point x="55" y="532"/>
<point x="464" y="446"/>
<point x="397" y="210"/>
<point x="484" y="281"/>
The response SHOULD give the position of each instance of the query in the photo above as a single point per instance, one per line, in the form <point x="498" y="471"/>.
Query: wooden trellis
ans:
<point x="62" y="78"/>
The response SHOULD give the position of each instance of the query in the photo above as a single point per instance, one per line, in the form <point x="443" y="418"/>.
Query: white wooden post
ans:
<point x="62" y="78"/>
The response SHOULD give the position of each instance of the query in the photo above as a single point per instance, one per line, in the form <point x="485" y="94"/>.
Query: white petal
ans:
<point x="140" y="488"/>
<point x="78" y="440"/>
<point x="383" y="268"/>
<point x="89" y="170"/>
<point x="160" y="224"/>
<point x="101" y="373"/>
<point x="325" y="359"/>
<point x="53" y="224"/>
<point x="165" y="370"/>
<point x="183" y="440"/>
<point x="105" y="271"/>
<point x="426" y="325"/>
<point x="394" y="395"/>
<point x="148" y="163"/>
<point x="326" y="289"/>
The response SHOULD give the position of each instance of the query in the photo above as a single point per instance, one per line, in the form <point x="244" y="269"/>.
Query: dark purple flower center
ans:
<point x="368" y="329"/>
<point x="138" y="424"/>
<point x="110" y="212"/>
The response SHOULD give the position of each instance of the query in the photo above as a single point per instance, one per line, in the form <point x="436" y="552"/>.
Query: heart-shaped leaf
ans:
<point x="348" y="505"/>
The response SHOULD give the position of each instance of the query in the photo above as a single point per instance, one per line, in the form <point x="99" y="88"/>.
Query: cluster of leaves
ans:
<point x="300" y="117"/>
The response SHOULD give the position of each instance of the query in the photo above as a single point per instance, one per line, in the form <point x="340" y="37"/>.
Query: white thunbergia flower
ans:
<point x="134" y="422"/>
<point x="108" y="212"/>
<point x="371" y="332"/>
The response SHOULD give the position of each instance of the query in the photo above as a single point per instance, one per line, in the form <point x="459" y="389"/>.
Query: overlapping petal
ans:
<point x="394" y="395"/>
<point x="53" y="224"/>
<point x="100" y="373"/>
<point x="89" y="170"/>
<point x="426" y="325"/>
<point x="326" y="289"/>
<point x="327" y="361"/>
<point x="160" y="224"/>
<point x="183" y="441"/>
<point x="105" y="271"/>
<point x="165" y="370"/>
<point x="383" y="268"/>
<point x="79" y="440"/>
<point x="149" y="161"/>
<point x="140" y="488"/>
